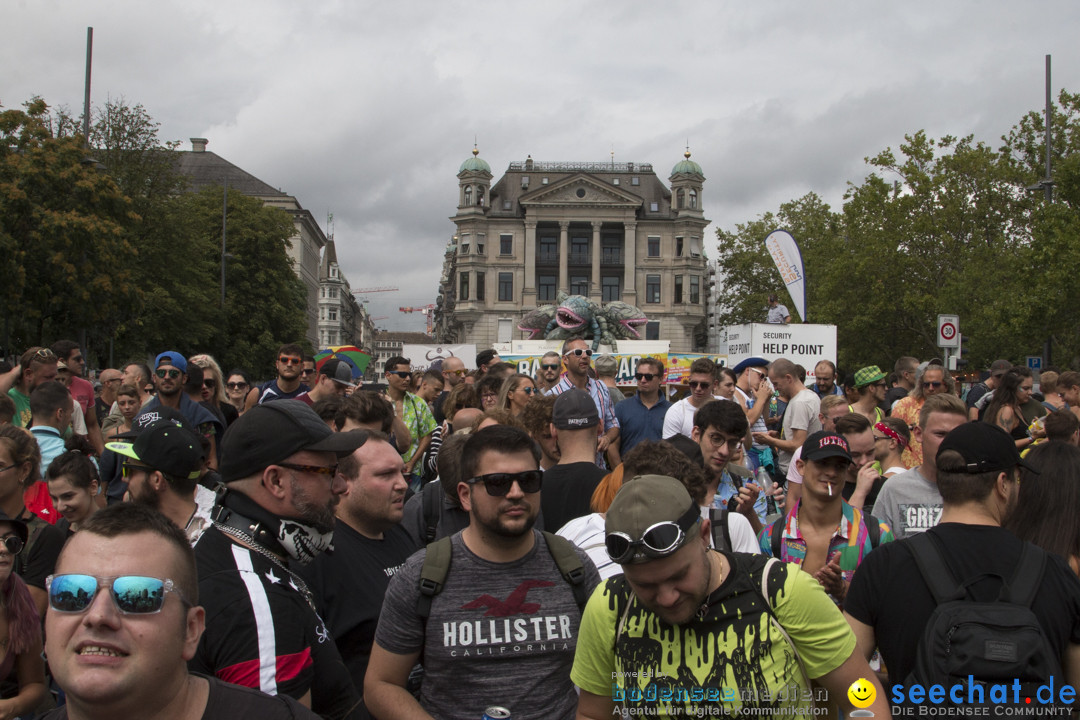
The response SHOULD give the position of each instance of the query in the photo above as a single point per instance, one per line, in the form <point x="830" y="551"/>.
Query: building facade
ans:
<point x="342" y="320"/>
<point x="389" y="344"/>
<point x="608" y="231"/>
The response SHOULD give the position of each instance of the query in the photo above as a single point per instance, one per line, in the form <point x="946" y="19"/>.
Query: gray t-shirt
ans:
<point x="801" y="414"/>
<point x="498" y="634"/>
<point x="909" y="504"/>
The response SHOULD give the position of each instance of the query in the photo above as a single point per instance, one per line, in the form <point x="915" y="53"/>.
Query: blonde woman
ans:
<point x="213" y="389"/>
<point x="515" y="393"/>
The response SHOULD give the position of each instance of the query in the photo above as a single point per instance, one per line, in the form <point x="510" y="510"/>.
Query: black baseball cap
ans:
<point x="823" y="445"/>
<point x="166" y="445"/>
<point x="269" y="433"/>
<point x="574" y="410"/>
<point x="985" y="448"/>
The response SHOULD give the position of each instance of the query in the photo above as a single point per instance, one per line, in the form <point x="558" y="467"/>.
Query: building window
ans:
<point x="678" y="288"/>
<point x="579" y="285"/>
<point x="480" y="195"/>
<point x="695" y="247"/>
<point x="506" y="287"/>
<point x="614" y="181"/>
<point x="543" y="181"/>
<point x="463" y="286"/>
<point x="678" y="247"/>
<point x="695" y="289"/>
<point x="693" y="199"/>
<point x="331" y="314"/>
<point x="333" y="271"/>
<point x="481" y="240"/>
<point x="611" y="288"/>
<point x="652" y="288"/>
<point x="480" y="281"/>
<point x="322" y="313"/>
<point x="545" y="288"/>
<point x="468" y="195"/>
<point x="508" y="204"/>
<point x="652" y="330"/>
<point x="635" y="180"/>
<point x="680" y="196"/>
<point x="505" y="331"/>
<point x="548" y="250"/>
<point x="524" y="182"/>
<point x="464" y="246"/>
<point x="611" y="250"/>
<point x="333" y="292"/>
<point x="322" y="292"/>
<point x="579" y="251"/>
<point x="654" y="246"/>
<point x="506" y="244"/>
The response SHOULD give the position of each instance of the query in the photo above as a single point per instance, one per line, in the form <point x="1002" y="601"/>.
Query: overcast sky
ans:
<point x="366" y="110"/>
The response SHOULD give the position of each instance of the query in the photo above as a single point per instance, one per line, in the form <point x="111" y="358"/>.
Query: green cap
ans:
<point x="647" y="500"/>
<point x="865" y="376"/>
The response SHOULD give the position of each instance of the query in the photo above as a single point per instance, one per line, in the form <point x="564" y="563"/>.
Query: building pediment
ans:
<point x="580" y="190"/>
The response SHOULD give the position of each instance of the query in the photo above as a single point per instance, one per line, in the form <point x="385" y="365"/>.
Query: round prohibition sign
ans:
<point x="948" y="331"/>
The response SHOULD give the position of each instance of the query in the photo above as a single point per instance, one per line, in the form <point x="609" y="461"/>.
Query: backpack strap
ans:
<point x="430" y="505"/>
<point x="873" y="529"/>
<point x="777" y="535"/>
<point x="763" y="591"/>
<point x="721" y="533"/>
<point x="433" y="574"/>
<point x="935" y="573"/>
<point x="1027" y="579"/>
<point x="569" y="564"/>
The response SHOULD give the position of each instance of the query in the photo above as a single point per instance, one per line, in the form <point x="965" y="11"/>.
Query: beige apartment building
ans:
<point x="605" y="230"/>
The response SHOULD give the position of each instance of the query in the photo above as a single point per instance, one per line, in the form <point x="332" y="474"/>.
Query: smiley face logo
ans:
<point x="861" y="693"/>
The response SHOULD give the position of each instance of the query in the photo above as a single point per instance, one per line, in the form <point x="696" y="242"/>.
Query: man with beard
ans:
<point x="577" y="356"/>
<point x="290" y="367"/>
<point x="170" y="374"/>
<point x="162" y="470"/>
<point x="683" y="632"/>
<point x="279" y="465"/>
<point x="500" y="627"/>
<point x="36" y="366"/>
<point x="370" y="545"/>
<point x="547" y="376"/>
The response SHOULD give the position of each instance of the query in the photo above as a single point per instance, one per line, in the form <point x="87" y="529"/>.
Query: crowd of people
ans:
<point x="177" y="541"/>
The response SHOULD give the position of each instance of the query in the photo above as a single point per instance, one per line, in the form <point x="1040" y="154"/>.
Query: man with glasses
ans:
<point x="641" y="417"/>
<point x="453" y="372"/>
<point x="111" y="380"/>
<point x="548" y="375"/>
<point x="411" y="410"/>
<point x="684" y="631"/>
<point x="308" y="373"/>
<point x="124" y="618"/>
<point x="870" y="382"/>
<point x="288" y="385"/>
<point x="500" y="627"/>
<point x="170" y="374"/>
<point x="334" y="380"/>
<point x="680" y="416"/>
<point x="577" y="357"/>
<point x="279" y="466"/>
<point x="752" y="392"/>
<point x="931" y="379"/>
<point x="37" y="365"/>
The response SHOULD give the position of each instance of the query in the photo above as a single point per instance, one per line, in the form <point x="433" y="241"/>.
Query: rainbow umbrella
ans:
<point x="349" y="353"/>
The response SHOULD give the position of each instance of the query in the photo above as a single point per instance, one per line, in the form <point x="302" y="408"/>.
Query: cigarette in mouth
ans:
<point x="830" y="489"/>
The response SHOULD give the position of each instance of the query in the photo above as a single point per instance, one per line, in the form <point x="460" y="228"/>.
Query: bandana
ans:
<point x="289" y="536"/>
<point x="882" y="427"/>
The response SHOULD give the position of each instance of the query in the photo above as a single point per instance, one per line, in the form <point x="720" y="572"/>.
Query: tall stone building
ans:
<point x="342" y="320"/>
<point x="605" y="230"/>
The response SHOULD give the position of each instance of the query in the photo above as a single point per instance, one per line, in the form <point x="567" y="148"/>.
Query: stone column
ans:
<point x="528" y="292"/>
<point x="629" y="292"/>
<point x="564" y="258"/>
<point x="595" y="290"/>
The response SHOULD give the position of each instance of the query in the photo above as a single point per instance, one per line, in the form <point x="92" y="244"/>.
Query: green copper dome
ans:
<point x="687" y="166"/>
<point x="475" y="163"/>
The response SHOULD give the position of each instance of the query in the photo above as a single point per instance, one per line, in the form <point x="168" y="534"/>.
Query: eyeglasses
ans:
<point x="459" y="373"/>
<point x="133" y="594"/>
<point x="330" y="470"/>
<point x="579" y="352"/>
<point x="13" y="543"/>
<point x="881" y="437"/>
<point x="549" y="366"/>
<point x="289" y="360"/>
<point x="659" y="540"/>
<point x="209" y="383"/>
<point x="400" y="373"/>
<point x="499" y="484"/>
<point x="695" y="384"/>
<point x="8" y="467"/>
<point x="168" y="372"/>
<point x="236" y="385"/>
<point x="932" y="384"/>
<point x="129" y="468"/>
<point x="647" y="377"/>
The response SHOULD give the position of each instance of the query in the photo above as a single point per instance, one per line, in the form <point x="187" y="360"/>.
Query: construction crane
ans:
<point x="427" y="310"/>
<point x="365" y="291"/>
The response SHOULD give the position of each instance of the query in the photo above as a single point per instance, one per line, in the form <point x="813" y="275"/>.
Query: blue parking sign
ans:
<point x="1034" y="362"/>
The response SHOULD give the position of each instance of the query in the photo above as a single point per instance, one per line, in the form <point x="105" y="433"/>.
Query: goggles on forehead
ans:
<point x="659" y="540"/>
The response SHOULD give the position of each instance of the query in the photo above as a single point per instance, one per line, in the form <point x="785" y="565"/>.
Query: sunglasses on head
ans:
<point x="400" y="373"/>
<point x="236" y="385"/>
<point x="13" y="543"/>
<point x="133" y="594"/>
<point x="550" y="366"/>
<point x="499" y="484"/>
<point x="695" y="384"/>
<point x="659" y="540"/>
<point x="289" y="360"/>
<point x="580" y="351"/>
<point x="168" y="373"/>
<point x="45" y="354"/>
<point x="647" y="377"/>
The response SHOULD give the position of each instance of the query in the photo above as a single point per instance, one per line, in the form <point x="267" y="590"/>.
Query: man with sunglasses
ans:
<point x="411" y="410"/>
<point x="453" y="372"/>
<point x="752" y="392"/>
<point x="500" y="627"/>
<point x="170" y="374"/>
<point x="547" y="376"/>
<point x="333" y="380"/>
<point x="578" y="357"/>
<point x="641" y="417"/>
<point x="36" y="366"/>
<point x="931" y="379"/>
<point x="279" y="466"/>
<point x="288" y="384"/>
<point x="687" y="631"/>
<point x="680" y="417"/>
<point x="124" y="618"/>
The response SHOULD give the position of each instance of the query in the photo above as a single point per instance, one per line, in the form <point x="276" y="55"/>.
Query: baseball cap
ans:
<point x="574" y="410"/>
<point x="823" y="445"/>
<point x="606" y="365"/>
<point x="339" y="371"/>
<point x="867" y="375"/>
<point x="645" y="501"/>
<point x="985" y="448"/>
<point x="167" y="445"/>
<point x="173" y="358"/>
<point x="755" y="362"/>
<point x="999" y="368"/>
<point x="268" y="434"/>
<point x="145" y="418"/>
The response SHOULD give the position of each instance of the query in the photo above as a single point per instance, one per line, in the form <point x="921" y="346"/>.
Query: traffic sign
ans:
<point x="948" y="331"/>
<point x="1034" y="362"/>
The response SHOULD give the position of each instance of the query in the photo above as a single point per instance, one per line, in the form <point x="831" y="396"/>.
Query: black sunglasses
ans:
<point x="647" y="377"/>
<point x="209" y="383"/>
<point x="400" y="373"/>
<point x="932" y="384"/>
<point x="13" y="543"/>
<point x="236" y="385"/>
<point x="699" y="384"/>
<point x="167" y="372"/>
<point x="659" y="540"/>
<point x="547" y="366"/>
<point x="499" y="484"/>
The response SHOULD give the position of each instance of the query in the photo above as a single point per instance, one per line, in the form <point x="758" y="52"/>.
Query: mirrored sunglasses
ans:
<point x="133" y="594"/>
<point x="167" y="372"/>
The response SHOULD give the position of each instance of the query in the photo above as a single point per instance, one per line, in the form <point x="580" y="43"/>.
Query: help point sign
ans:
<point x="804" y="344"/>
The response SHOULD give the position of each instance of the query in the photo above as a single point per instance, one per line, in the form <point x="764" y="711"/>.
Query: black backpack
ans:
<point x="994" y="642"/>
<point x="721" y="533"/>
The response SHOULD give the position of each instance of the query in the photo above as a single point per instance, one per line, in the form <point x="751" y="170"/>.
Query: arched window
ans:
<point x="480" y="195"/>
<point x="693" y="199"/>
<point x="680" y="199"/>
<point x="468" y="195"/>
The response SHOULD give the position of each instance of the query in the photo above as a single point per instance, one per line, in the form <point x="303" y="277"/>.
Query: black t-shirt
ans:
<point x="228" y="702"/>
<point x="894" y="394"/>
<point x="888" y="592"/>
<point x="257" y="619"/>
<point x="37" y="560"/>
<point x="977" y="391"/>
<point x="566" y="492"/>
<point x="349" y="585"/>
